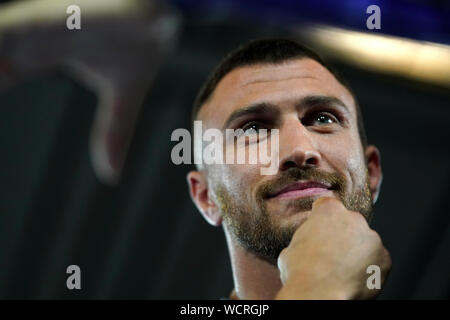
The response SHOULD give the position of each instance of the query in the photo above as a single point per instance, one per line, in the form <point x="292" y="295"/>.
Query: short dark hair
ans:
<point x="267" y="51"/>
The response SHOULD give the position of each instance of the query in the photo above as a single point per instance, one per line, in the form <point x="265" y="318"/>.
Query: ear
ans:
<point x="198" y="188"/>
<point x="373" y="159"/>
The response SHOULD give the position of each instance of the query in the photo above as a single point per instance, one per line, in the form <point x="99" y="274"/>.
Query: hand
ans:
<point x="329" y="254"/>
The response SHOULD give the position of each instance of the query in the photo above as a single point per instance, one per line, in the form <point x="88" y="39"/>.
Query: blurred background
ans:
<point x="86" y="118"/>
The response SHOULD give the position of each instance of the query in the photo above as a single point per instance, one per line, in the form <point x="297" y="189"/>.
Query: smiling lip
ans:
<point x="303" y="190"/>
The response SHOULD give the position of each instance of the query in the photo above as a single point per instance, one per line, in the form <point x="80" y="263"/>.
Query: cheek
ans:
<point x="357" y="162"/>
<point x="345" y="155"/>
<point x="238" y="179"/>
<point x="357" y="168"/>
<point x="241" y="180"/>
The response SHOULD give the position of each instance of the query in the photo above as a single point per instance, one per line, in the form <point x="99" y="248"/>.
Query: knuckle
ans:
<point x="376" y="238"/>
<point x="387" y="259"/>
<point x="374" y="234"/>
<point x="358" y="218"/>
<point x="357" y="221"/>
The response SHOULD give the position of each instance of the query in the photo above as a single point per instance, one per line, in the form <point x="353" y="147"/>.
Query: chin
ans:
<point x="293" y="219"/>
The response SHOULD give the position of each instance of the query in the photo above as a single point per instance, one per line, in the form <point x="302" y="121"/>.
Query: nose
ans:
<point x="297" y="146"/>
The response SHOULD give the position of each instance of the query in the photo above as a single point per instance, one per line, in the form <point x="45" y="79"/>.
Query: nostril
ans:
<point x="311" y="161"/>
<point x="289" y="164"/>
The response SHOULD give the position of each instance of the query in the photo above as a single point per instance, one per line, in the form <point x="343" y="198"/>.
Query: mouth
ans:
<point x="303" y="189"/>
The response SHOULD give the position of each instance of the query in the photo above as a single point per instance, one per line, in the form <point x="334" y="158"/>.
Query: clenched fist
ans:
<point x="328" y="256"/>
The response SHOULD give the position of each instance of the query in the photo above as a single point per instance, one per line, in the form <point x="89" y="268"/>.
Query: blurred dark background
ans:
<point x="144" y="239"/>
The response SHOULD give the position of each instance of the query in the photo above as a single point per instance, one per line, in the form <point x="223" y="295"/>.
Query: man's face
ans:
<point x="320" y="152"/>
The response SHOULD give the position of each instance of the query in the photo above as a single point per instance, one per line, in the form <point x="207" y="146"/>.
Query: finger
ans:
<point x="327" y="203"/>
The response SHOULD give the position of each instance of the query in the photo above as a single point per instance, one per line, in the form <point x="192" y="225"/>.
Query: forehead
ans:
<point x="279" y="84"/>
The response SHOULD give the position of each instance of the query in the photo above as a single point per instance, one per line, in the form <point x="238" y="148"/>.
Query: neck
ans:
<point x="254" y="278"/>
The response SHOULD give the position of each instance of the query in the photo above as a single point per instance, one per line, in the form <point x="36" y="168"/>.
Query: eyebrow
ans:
<point x="314" y="100"/>
<point x="258" y="108"/>
<point x="265" y="107"/>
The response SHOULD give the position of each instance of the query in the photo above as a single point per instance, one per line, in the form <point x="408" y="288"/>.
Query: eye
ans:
<point x="324" y="118"/>
<point x="252" y="127"/>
